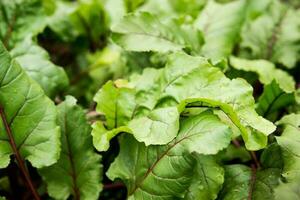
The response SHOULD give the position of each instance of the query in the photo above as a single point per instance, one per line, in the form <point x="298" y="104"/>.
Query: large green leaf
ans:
<point x="220" y="24"/>
<point x="242" y="182"/>
<point x="20" y="19"/>
<point x="192" y="81"/>
<point x="119" y="106"/>
<point x="142" y="167"/>
<point x="143" y="31"/>
<point x="274" y="35"/>
<point x="31" y="116"/>
<point x="186" y="80"/>
<point x="266" y="72"/>
<point x="36" y="62"/>
<point x="78" y="170"/>
<point x="207" y="180"/>
<point x="289" y="142"/>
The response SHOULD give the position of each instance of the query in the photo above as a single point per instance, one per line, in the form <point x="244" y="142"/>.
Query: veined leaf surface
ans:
<point x="140" y="166"/>
<point x="78" y="170"/>
<point x="30" y="115"/>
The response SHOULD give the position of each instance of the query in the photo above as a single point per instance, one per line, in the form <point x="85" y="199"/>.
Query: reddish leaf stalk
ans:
<point x="113" y="186"/>
<point x="19" y="159"/>
<point x="252" y="182"/>
<point x="254" y="158"/>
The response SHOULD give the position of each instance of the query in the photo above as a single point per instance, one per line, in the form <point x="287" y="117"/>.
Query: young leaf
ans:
<point x="220" y="24"/>
<point x="141" y="167"/>
<point x="30" y="129"/>
<point x="118" y="104"/>
<point x="144" y="32"/>
<point x="78" y="170"/>
<point x="36" y="62"/>
<point x="102" y="136"/>
<point x="207" y="180"/>
<point x="266" y="72"/>
<point x="242" y="182"/>
<point x="289" y="142"/>
<point x="274" y="35"/>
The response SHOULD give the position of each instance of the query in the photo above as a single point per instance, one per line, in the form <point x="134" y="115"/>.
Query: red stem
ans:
<point x="113" y="186"/>
<point x="254" y="158"/>
<point x="19" y="159"/>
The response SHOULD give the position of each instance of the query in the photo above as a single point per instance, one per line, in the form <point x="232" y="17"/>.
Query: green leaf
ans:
<point x="78" y="170"/>
<point x="118" y="104"/>
<point x="255" y="8"/>
<point x="205" y="134"/>
<point x="273" y="99"/>
<point x="159" y="127"/>
<point x="271" y="157"/>
<point x="81" y="18"/>
<point x="5" y="184"/>
<point x="220" y="24"/>
<point x="274" y="35"/>
<point x="197" y="84"/>
<point x="36" y="62"/>
<point x="242" y="182"/>
<point x="115" y="10"/>
<point x="288" y="191"/>
<point x="192" y="80"/>
<point x="233" y="153"/>
<point x="266" y="72"/>
<point x="31" y="116"/>
<point x="62" y="23"/>
<point x="289" y="142"/>
<point x="143" y="31"/>
<point x="102" y="136"/>
<point x="174" y="9"/>
<point x="21" y="19"/>
<point x="207" y="180"/>
<point x="142" y="167"/>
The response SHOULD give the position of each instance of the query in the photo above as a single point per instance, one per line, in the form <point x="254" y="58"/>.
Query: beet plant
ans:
<point x="149" y="99"/>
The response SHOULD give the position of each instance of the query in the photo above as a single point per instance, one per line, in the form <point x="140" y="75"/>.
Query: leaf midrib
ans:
<point x="153" y="166"/>
<point x="161" y="157"/>
<point x="70" y="155"/>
